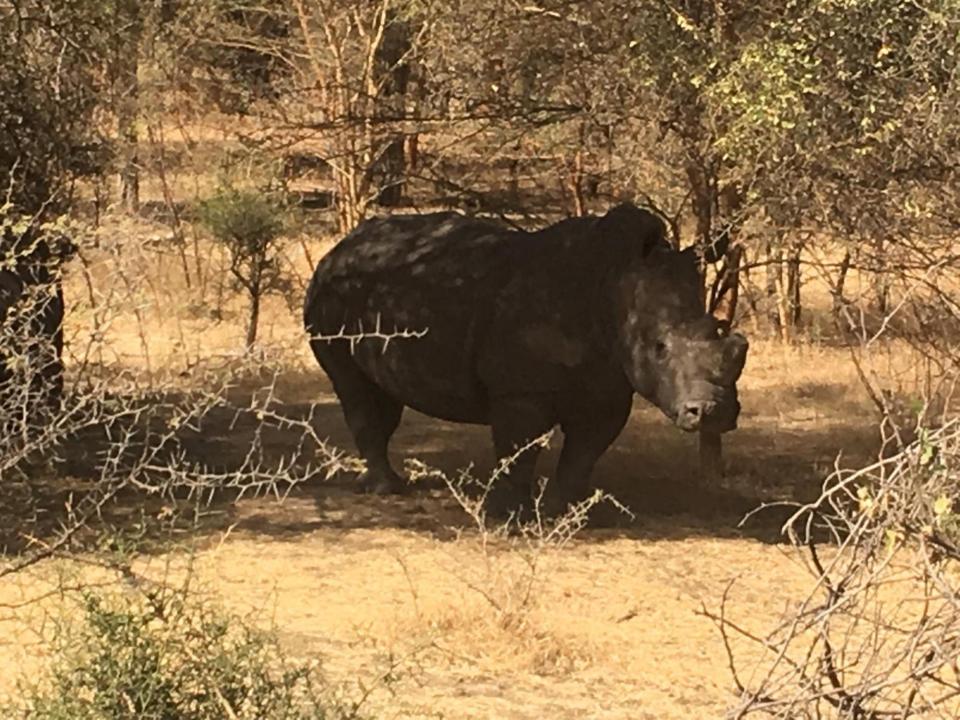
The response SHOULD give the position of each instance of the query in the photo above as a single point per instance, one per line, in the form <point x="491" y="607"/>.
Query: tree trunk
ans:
<point x="783" y="289"/>
<point x="794" y="305"/>
<point x="881" y="284"/>
<point x="612" y="186"/>
<point x="783" y="310"/>
<point x="839" y="302"/>
<point x="393" y="166"/>
<point x="128" y="92"/>
<point x="394" y="76"/>
<point x="703" y="199"/>
<point x="753" y="297"/>
<point x="413" y="151"/>
<point x="51" y="325"/>
<point x="572" y="176"/>
<point x="416" y="95"/>
<point x="723" y="304"/>
<point x="571" y="184"/>
<point x="254" y="322"/>
<point x="576" y="184"/>
<point x="774" y="272"/>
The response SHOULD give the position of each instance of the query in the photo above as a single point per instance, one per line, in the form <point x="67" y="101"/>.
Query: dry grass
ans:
<point x="614" y="632"/>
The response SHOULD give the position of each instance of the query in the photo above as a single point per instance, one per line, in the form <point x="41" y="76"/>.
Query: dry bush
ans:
<point x="122" y="424"/>
<point x="878" y="634"/>
<point x="128" y="442"/>
<point x="877" y="637"/>
<point x="516" y="557"/>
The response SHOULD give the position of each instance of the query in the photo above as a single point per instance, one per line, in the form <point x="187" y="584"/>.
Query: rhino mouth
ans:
<point x="709" y="416"/>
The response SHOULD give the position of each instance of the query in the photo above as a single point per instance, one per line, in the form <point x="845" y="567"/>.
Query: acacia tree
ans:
<point x="338" y="79"/>
<point x="807" y="117"/>
<point x="846" y="123"/>
<point x="764" y="124"/>
<point x="620" y="94"/>
<point x="124" y="69"/>
<point x="248" y="224"/>
<point x="864" y="144"/>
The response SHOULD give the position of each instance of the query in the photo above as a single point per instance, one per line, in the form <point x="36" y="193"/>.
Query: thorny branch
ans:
<point x="117" y="430"/>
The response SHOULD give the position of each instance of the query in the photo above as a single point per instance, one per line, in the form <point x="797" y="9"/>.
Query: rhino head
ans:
<point x="675" y="355"/>
<point x="691" y="372"/>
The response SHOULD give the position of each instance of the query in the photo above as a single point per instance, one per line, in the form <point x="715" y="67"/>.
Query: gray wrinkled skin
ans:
<point x="524" y="331"/>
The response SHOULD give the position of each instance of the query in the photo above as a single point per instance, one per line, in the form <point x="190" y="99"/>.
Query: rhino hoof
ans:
<point x="557" y="505"/>
<point x="507" y="503"/>
<point x="375" y="483"/>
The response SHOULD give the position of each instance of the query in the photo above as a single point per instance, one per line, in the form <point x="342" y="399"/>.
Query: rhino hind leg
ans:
<point x="371" y="414"/>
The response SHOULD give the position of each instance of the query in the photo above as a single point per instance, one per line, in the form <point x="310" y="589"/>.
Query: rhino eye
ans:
<point x="660" y="349"/>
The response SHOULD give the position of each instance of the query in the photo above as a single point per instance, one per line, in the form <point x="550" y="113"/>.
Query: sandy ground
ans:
<point x="612" y="629"/>
<point x="372" y="586"/>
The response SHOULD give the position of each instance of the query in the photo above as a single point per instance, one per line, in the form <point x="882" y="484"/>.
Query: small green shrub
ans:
<point x="249" y="225"/>
<point x="164" y="656"/>
<point x="245" y="217"/>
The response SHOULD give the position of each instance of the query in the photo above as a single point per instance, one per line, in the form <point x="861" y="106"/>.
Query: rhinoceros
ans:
<point x="469" y="321"/>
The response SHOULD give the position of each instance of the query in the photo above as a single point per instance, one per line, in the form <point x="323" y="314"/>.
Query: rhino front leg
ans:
<point x="516" y="421"/>
<point x="586" y="438"/>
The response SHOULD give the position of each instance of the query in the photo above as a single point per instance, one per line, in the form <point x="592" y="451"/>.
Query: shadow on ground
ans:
<point x="651" y="469"/>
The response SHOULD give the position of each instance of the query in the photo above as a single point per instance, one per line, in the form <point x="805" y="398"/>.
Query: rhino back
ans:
<point x="503" y="311"/>
<point x="427" y="273"/>
<point x="437" y="249"/>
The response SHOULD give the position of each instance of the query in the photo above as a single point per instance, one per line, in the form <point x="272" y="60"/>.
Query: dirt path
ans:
<point x="612" y="630"/>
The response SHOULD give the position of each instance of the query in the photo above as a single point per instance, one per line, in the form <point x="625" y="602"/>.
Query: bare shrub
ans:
<point x="878" y="634"/>
<point x="877" y="637"/>
<point x="125" y="427"/>
<point x="510" y="586"/>
<point x="135" y="435"/>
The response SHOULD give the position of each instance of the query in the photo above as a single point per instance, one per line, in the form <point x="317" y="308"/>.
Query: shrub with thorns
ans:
<point x="878" y="636"/>
<point x="511" y="589"/>
<point x="108" y="428"/>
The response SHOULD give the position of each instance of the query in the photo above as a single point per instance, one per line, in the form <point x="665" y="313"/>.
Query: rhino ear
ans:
<point x="690" y="255"/>
<point x="630" y="224"/>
